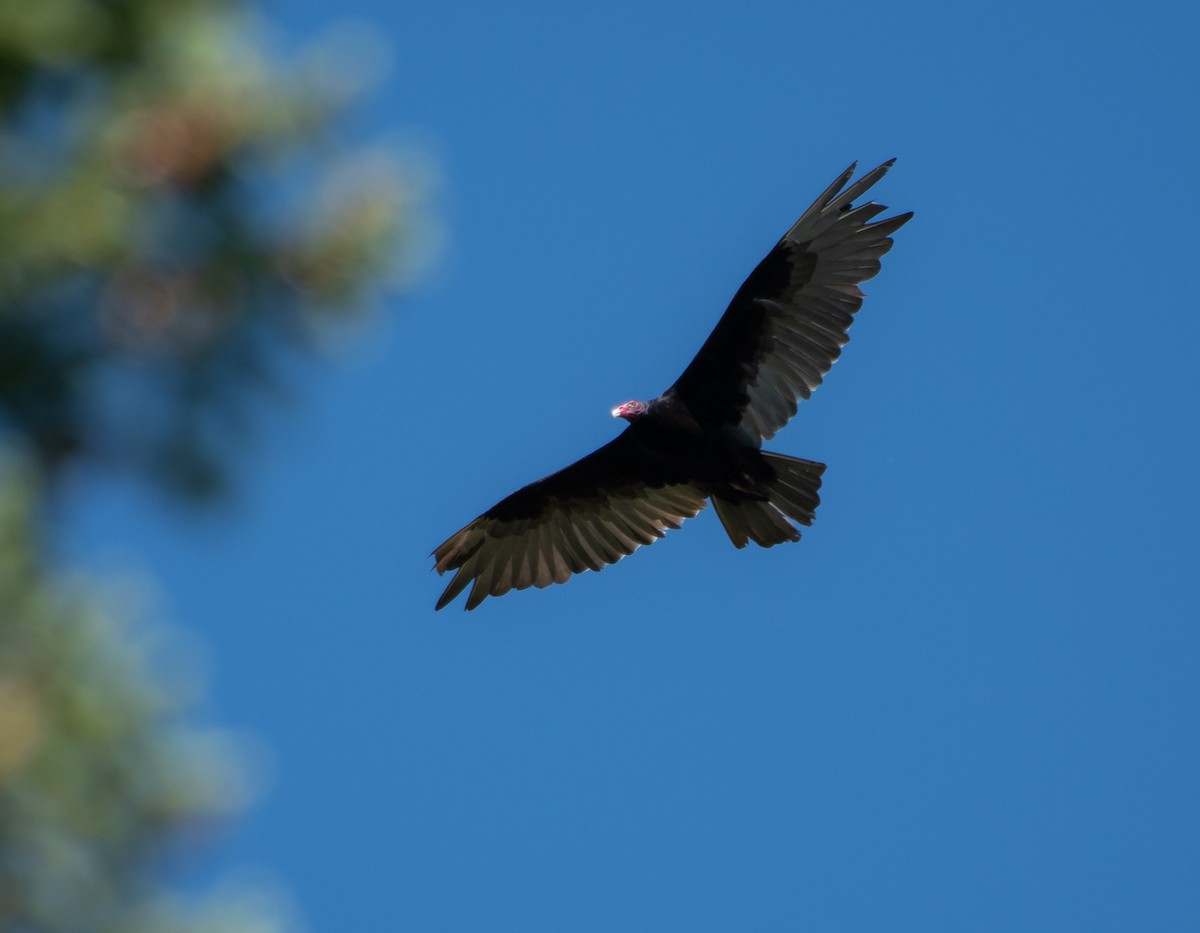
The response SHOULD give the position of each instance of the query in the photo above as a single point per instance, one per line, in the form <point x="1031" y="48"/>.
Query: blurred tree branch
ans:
<point x="102" y="776"/>
<point x="165" y="230"/>
<point x="177" y="218"/>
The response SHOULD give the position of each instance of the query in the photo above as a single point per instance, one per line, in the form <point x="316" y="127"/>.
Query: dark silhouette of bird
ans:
<point x="702" y="438"/>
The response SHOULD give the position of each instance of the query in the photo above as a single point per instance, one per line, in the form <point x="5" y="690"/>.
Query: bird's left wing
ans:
<point x="788" y="322"/>
<point x="592" y="513"/>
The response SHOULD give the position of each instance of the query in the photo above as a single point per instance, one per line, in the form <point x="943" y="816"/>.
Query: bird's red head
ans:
<point x="630" y="411"/>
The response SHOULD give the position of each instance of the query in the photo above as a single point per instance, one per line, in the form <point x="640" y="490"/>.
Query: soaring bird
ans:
<point x="702" y="438"/>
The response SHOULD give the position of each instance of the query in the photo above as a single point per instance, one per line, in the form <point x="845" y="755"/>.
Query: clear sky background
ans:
<point x="968" y="699"/>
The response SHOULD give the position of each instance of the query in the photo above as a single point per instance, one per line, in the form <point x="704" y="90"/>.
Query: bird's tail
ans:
<point x="791" y="494"/>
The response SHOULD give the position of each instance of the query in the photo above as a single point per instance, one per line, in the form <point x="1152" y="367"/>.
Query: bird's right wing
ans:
<point x="788" y="322"/>
<point x="592" y="513"/>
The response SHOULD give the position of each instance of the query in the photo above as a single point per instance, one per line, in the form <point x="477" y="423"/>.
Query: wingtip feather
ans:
<point x="457" y="584"/>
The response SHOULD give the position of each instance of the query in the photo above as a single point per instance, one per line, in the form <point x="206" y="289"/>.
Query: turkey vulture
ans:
<point x="701" y="438"/>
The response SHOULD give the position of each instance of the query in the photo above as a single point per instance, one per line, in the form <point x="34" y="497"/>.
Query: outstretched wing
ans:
<point x="589" y="514"/>
<point x="787" y="324"/>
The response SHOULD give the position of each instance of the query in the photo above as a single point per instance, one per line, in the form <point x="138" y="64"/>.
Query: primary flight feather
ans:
<point x="702" y="438"/>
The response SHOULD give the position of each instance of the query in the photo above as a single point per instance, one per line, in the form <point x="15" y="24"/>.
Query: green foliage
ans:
<point x="174" y="214"/>
<point x="103" y="778"/>
<point x="177" y="218"/>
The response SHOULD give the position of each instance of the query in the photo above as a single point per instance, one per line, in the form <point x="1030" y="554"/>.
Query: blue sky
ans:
<point x="966" y="700"/>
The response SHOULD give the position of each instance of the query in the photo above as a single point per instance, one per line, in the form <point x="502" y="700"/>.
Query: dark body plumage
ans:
<point x="701" y="438"/>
